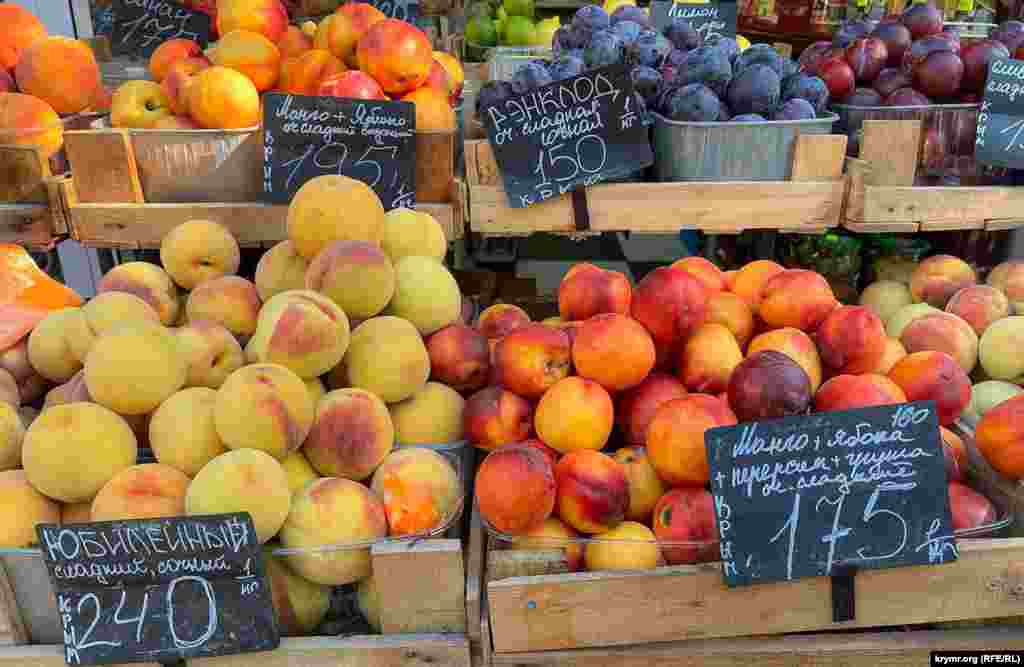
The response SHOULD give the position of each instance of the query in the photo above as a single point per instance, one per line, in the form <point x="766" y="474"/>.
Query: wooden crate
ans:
<point x="32" y="212"/>
<point x="882" y="196"/>
<point x="809" y="203"/>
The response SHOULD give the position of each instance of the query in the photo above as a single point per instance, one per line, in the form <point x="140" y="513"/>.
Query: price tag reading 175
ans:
<point x="568" y="134"/>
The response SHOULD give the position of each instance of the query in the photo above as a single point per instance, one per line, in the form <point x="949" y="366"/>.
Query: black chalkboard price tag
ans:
<point x="305" y="137"/>
<point x="1000" y="136"/>
<point x="568" y="134"/>
<point x="713" y="19"/>
<point x="403" y="10"/>
<point x="140" y="26"/>
<point x="830" y="493"/>
<point x="159" y="589"/>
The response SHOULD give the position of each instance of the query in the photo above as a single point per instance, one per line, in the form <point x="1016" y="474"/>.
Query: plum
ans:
<point x="748" y="118"/>
<point x="727" y="45"/>
<point x="897" y="40"/>
<point x="906" y="97"/>
<point x="939" y="74"/>
<point x="812" y="54"/>
<point x="591" y="18"/>
<point x="866" y="56"/>
<point x="628" y="31"/>
<point x="838" y="77"/>
<point x="631" y="13"/>
<point x="806" y="87"/>
<point x="695" y="103"/>
<point x="646" y="81"/>
<point x="850" y="31"/>
<point x="890" y="79"/>
<point x="706" y="65"/>
<point x="756" y="89"/>
<point x="863" y="97"/>
<point x="532" y="75"/>
<point x="760" y="54"/>
<point x="976" y="58"/>
<point x="566" y="67"/>
<point x="682" y="34"/>
<point x="605" y="49"/>
<point x="795" y="109"/>
<point x="652" y="48"/>
<point x="922" y="19"/>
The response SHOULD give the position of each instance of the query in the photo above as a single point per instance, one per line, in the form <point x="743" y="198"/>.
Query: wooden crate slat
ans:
<point x="368" y="651"/>
<point x="104" y="166"/>
<point x="420" y="586"/>
<point x="45" y="656"/>
<point x="691" y="602"/>
<point x="23" y="170"/>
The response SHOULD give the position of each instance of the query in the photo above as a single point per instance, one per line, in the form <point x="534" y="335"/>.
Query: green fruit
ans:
<point x="519" y="7"/>
<point x="481" y="31"/>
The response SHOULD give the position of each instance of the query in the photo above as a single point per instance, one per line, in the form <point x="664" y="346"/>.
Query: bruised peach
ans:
<point x="574" y="414"/>
<point x="1000" y="437"/>
<point x="593" y="491"/>
<point x="705" y="271"/>
<point x="147" y="491"/>
<point x="170" y="52"/>
<point x="751" y="280"/>
<point x="515" y="489"/>
<point x="1008" y="278"/>
<point x="979" y="306"/>
<point x="708" y="358"/>
<point x="294" y="42"/>
<point x="493" y="417"/>
<point x="796" y="298"/>
<point x="221" y="98"/>
<point x="645" y="487"/>
<point x="670" y="303"/>
<point x="636" y="407"/>
<point x="459" y="357"/>
<point x="587" y="290"/>
<point x="395" y="53"/>
<point x="943" y="332"/>
<point x="796" y="345"/>
<point x="303" y="74"/>
<point x="675" y="438"/>
<point x="846" y="392"/>
<point x="851" y="340"/>
<point x="553" y="535"/>
<point x="685" y="525"/>
<point x="352" y="433"/>
<point x="60" y="71"/>
<point x="266" y="17"/>
<point x="727" y="309"/>
<point x="934" y="376"/>
<point x="500" y="320"/>
<point x="894" y="351"/>
<point x="19" y="29"/>
<point x="531" y="359"/>
<point x="419" y="488"/>
<point x="938" y="278"/>
<point x="613" y="350"/>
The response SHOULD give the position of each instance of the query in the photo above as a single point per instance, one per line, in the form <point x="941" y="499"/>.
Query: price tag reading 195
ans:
<point x="568" y="134"/>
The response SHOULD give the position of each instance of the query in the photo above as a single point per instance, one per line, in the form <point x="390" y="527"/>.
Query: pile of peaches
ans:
<point x="595" y="420"/>
<point x="356" y="52"/>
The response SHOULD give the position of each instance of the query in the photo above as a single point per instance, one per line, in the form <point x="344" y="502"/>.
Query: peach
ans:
<point x="19" y="29"/>
<point x="386" y="356"/>
<point x="938" y="278"/>
<point x="301" y="330"/>
<point x="70" y="451"/>
<point x="147" y="491"/>
<point x="587" y="290"/>
<point x="593" y="491"/>
<point x="645" y="487"/>
<point x="1000" y="349"/>
<point x="265" y="407"/>
<point x="132" y="369"/>
<point x="515" y="489"/>
<point x="299" y="470"/>
<point x="301" y="605"/>
<point x="576" y="413"/>
<point x="228" y="300"/>
<point x="979" y="306"/>
<point x="796" y="298"/>
<point x="796" y="345"/>
<point x="670" y="303"/>
<point x="250" y="53"/>
<point x="707" y="359"/>
<point x="494" y="417"/>
<point x="294" y="42"/>
<point x="685" y="525"/>
<point x="221" y="98"/>
<point x="459" y="357"/>
<point x="628" y="546"/>
<point x="1000" y="437"/>
<point x="242" y="480"/>
<point x="552" y="535"/>
<point x="613" y="350"/>
<point x="894" y="351"/>
<point x="636" y="407"/>
<point x="750" y="281"/>
<point x="352" y="433"/>
<point x="733" y="312"/>
<point x="147" y="281"/>
<point x="266" y="17"/>
<point x="675" y="438"/>
<point x="210" y="351"/>
<point x="501" y="319"/>
<point x="943" y="332"/>
<point x="846" y="392"/>
<point x="1008" y="278"/>
<point x="183" y="432"/>
<point x="280" y="269"/>
<point x="397" y="54"/>
<point x="18" y="530"/>
<point x="341" y="32"/>
<point x="71" y="513"/>
<point x="199" y="250"/>
<point x="851" y="339"/>
<point x="419" y="488"/>
<point x="886" y="297"/>
<point x="934" y="376"/>
<point x="178" y="79"/>
<point x="60" y="71"/>
<point x="29" y="121"/>
<point x="303" y="74"/>
<point x="705" y="271"/>
<point x="315" y="219"/>
<point x="170" y="52"/>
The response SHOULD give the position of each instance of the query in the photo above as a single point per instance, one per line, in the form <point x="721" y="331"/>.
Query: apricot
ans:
<point x="1008" y="278"/>
<point x="934" y="376"/>
<point x="302" y="74"/>
<point x="938" y="278"/>
<point x="352" y="433"/>
<point x="708" y="358"/>
<point x="593" y="491"/>
<point x="301" y="605"/>
<point x="60" y="71"/>
<point x="628" y="546"/>
<point x="846" y="392"/>
<point x="280" y="269"/>
<point x="433" y="415"/>
<point x="264" y="407"/>
<point x="943" y="332"/>
<point x="182" y="431"/>
<point x="134" y="368"/>
<point x="228" y="300"/>
<point x="587" y="290"/>
<point x="315" y="219"/>
<point x="979" y="306"/>
<point x="459" y="357"/>
<point x="751" y="280"/>
<point x="1000" y="437"/>
<point x="222" y="98"/>
<point x="29" y="121"/>
<point x="250" y="53"/>
<point x="19" y="29"/>
<point x="796" y="345"/>
<point x="675" y="437"/>
<point x="419" y="488"/>
<point x="170" y="52"/>
<point x="685" y="525"/>
<point x="574" y="414"/>
<point x="613" y="350"/>
<point x="551" y="535"/>
<point x="851" y="339"/>
<point x="645" y="487"/>
<point x="301" y="330"/>
<point x="796" y="298"/>
<point x="670" y="303"/>
<point x="147" y="281"/>
<point x="267" y="17"/>
<point x="147" y="491"/>
<point x="501" y="319"/>
<point x="493" y="417"/>
<point x="1000" y="349"/>
<point x="731" y="311"/>
<point x="18" y="530"/>
<point x="210" y="351"/>
<point x="199" y="250"/>
<point x="426" y="294"/>
<point x="515" y="489"/>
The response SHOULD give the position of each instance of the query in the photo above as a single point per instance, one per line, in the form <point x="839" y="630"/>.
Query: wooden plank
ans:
<point x="965" y="207"/>
<point x="369" y="651"/>
<point x="45" y="656"/>
<point x="23" y="170"/>
<point x="103" y="166"/>
<point x="421" y="586"/>
<point x="691" y="602"/>
<point x="889" y="649"/>
<point x="12" y="626"/>
<point x="819" y="157"/>
<point x="891" y="147"/>
<point x="26" y="224"/>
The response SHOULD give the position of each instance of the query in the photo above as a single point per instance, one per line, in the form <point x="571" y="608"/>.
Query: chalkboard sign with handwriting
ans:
<point x="714" y="19"/>
<point x="568" y="134"/>
<point x="1000" y="135"/>
<point x="305" y="137"/>
<point x="142" y="25"/>
<point x="829" y="493"/>
<point x="403" y="10"/>
<point x="159" y="589"/>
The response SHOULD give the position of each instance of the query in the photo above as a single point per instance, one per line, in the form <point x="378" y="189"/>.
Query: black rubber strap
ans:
<point x="580" y="211"/>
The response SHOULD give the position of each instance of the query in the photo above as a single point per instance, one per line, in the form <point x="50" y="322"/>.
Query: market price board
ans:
<point x="140" y="26"/>
<point x="159" y="589"/>
<point x="305" y="137"/>
<point x="710" y="20"/>
<point x="1000" y="136"/>
<point x="830" y="493"/>
<point x="568" y="134"/>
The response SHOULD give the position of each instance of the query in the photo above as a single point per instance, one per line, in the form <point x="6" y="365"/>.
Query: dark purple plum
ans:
<point x="628" y="31"/>
<point x="494" y="92"/>
<point x="760" y="54"/>
<point x="923" y="48"/>
<point x="976" y="58"/>
<point x="812" y="54"/>
<point x="795" y="109"/>
<point x="726" y="45"/>
<point x="749" y="118"/>
<point x="897" y="40"/>
<point x="695" y="103"/>
<point x="591" y="18"/>
<point x="682" y="35"/>
<point x="754" y="90"/>
<point x="652" y="48"/>
<point x="889" y="80"/>
<point x="863" y="97"/>
<point x="646" y="81"/>
<point x="706" y="65"/>
<point x="605" y="49"/>
<point x="566" y="67"/>
<point x="849" y="31"/>
<point x="939" y="75"/>
<point x="922" y="19"/>
<point x="806" y="87"/>
<point x="906" y="97"/>
<point x="631" y="13"/>
<point x="532" y="75"/>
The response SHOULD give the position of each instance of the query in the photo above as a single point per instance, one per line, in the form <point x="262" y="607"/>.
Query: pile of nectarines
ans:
<point x="642" y="372"/>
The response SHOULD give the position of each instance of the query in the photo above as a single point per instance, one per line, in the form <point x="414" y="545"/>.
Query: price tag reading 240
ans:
<point x="830" y="492"/>
<point x="568" y="134"/>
